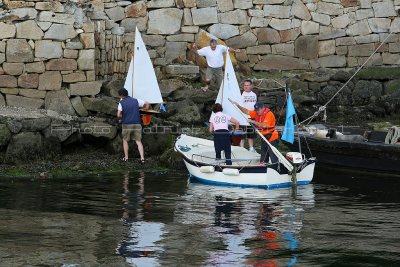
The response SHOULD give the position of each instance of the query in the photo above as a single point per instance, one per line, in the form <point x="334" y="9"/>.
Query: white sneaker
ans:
<point x="251" y="149"/>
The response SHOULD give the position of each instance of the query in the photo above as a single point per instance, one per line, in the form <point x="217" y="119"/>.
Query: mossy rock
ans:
<point x="392" y="87"/>
<point x="378" y="73"/>
<point x="5" y="135"/>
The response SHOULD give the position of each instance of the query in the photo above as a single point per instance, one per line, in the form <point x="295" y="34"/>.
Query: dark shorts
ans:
<point x="132" y="132"/>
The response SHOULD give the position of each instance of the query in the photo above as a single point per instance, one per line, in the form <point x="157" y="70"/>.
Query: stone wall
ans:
<point x="55" y="54"/>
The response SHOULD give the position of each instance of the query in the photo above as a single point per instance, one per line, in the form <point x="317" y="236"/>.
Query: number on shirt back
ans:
<point x="218" y="119"/>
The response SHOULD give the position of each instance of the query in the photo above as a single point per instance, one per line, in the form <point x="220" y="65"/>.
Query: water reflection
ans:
<point x="140" y="247"/>
<point x="218" y="226"/>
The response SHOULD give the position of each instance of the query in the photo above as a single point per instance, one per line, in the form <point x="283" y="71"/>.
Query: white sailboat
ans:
<point x="141" y="81"/>
<point x="199" y="154"/>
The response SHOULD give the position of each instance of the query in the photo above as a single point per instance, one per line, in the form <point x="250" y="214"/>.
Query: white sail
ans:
<point x="141" y="81"/>
<point x="230" y="90"/>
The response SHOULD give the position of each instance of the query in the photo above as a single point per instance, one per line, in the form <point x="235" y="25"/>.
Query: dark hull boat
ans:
<point x="354" y="149"/>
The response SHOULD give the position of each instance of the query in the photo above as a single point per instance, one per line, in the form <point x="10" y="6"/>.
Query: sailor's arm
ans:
<point x="242" y="109"/>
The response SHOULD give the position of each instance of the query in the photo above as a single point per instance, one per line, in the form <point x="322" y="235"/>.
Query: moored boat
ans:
<point x="246" y="170"/>
<point x="350" y="147"/>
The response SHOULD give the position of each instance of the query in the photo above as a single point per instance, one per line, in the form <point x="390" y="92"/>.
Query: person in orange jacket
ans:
<point x="264" y="120"/>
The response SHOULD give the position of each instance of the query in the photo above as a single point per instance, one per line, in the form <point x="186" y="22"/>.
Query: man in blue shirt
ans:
<point x="128" y="113"/>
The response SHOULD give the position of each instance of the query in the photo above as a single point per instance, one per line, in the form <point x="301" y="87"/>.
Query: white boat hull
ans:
<point x="197" y="154"/>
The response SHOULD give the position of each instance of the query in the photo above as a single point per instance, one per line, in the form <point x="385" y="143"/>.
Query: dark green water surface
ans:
<point x="162" y="219"/>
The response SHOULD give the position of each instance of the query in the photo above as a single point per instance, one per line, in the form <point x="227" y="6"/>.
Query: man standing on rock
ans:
<point x="129" y="116"/>
<point x="214" y="55"/>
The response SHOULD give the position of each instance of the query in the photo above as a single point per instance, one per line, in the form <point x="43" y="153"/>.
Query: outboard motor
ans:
<point x="295" y="157"/>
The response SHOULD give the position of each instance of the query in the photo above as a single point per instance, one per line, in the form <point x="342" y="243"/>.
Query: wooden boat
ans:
<point x="141" y="81"/>
<point x="199" y="154"/>
<point x="350" y="147"/>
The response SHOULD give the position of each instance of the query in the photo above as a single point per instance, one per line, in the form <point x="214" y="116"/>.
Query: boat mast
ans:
<point x="133" y="60"/>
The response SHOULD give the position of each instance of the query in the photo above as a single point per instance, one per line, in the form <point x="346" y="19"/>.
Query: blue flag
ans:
<point x="288" y="131"/>
<point x="162" y="107"/>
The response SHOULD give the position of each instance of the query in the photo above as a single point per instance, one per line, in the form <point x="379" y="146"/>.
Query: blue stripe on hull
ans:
<point x="205" y="181"/>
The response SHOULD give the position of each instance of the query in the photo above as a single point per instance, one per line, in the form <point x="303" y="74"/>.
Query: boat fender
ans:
<point x="295" y="157"/>
<point x="207" y="169"/>
<point x="230" y="171"/>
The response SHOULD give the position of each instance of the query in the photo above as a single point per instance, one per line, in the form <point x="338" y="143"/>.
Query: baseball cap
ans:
<point x="259" y="105"/>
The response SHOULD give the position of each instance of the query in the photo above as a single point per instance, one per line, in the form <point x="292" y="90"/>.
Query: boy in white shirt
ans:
<point x="214" y="55"/>
<point x="249" y="100"/>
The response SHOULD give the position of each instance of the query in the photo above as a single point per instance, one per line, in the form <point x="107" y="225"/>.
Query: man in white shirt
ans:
<point x="249" y="100"/>
<point x="214" y="55"/>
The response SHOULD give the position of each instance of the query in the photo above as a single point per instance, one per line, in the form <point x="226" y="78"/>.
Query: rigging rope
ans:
<point x="323" y="108"/>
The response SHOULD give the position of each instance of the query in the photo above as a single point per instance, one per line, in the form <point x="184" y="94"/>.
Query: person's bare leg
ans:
<point x="242" y="143"/>
<point x="205" y="88"/>
<point x="140" y="148"/>
<point x="251" y="142"/>
<point x="126" y="148"/>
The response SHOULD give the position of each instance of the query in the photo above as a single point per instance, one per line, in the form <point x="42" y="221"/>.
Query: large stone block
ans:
<point x="206" y="3"/>
<point x="289" y="35"/>
<point x="384" y="9"/>
<point x="30" y="80"/>
<point x="23" y="13"/>
<point x="204" y="16"/>
<point x="379" y="24"/>
<point x="309" y="27"/>
<point x="258" y="50"/>
<point x="276" y="62"/>
<point x="157" y="19"/>
<point x="36" y="67"/>
<point x="87" y="39"/>
<point x="29" y="30"/>
<point x="182" y="69"/>
<point x="53" y="6"/>
<point x="321" y="18"/>
<point x="13" y="68"/>
<point x="18" y="50"/>
<point x="59" y="102"/>
<point x="327" y="32"/>
<point x="160" y="3"/>
<point x="390" y="59"/>
<point x="326" y="48"/>
<point x="268" y="36"/>
<point x="283" y="49"/>
<point x="332" y="61"/>
<point x="299" y="10"/>
<point x="341" y="22"/>
<point x="24" y="102"/>
<point x="184" y="37"/>
<point x="306" y="47"/>
<point x="245" y="40"/>
<point x="256" y="22"/>
<point x="5" y="133"/>
<point x="330" y="8"/>
<point x="7" y="31"/>
<point x="359" y="28"/>
<point x="364" y="39"/>
<point x="50" y="80"/>
<point x="395" y="25"/>
<point x="153" y="40"/>
<point x="234" y="17"/>
<point x="137" y="9"/>
<point x="116" y="13"/>
<point x="243" y="4"/>
<point x="361" y="50"/>
<point x="78" y="106"/>
<point x="61" y="64"/>
<point x="130" y="24"/>
<point x="105" y="104"/>
<point x="48" y="49"/>
<point x="63" y="18"/>
<point x="74" y="77"/>
<point x="8" y="81"/>
<point x="86" y="59"/>
<point x="32" y="93"/>
<point x="98" y="129"/>
<point x="60" y="32"/>
<point x="277" y="11"/>
<point x="281" y="24"/>
<point x="85" y="88"/>
<point x="224" y="31"/>
<point x="175" y="50"/>
<point x="225" y="5"/>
